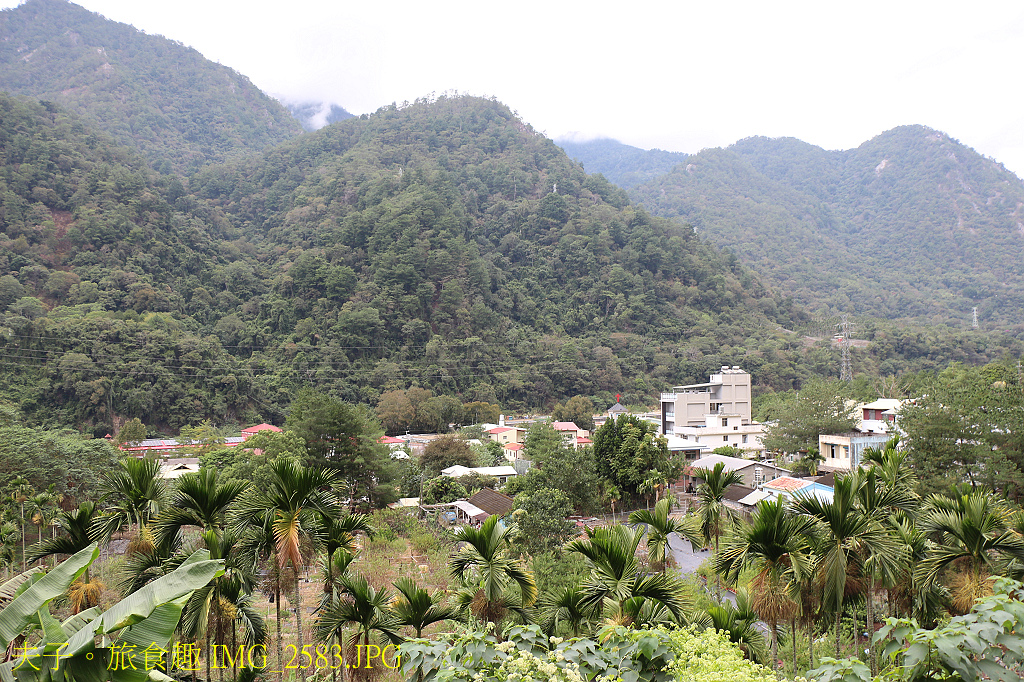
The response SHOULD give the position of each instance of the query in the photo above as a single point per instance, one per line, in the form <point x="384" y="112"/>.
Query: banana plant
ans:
<point x="144" y="620"/>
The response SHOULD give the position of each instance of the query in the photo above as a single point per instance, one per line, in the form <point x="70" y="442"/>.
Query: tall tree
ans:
<point x="626" y="448"/>
<point x="134" y="494"/>
<point x="344" y="438"/>
<point x="660" y="527"/>
<point x="973" y="529"/>
<point x="494" y="581"/>
<point x="711" y="499"/>
<point x="820" y="407"/>
<point x="290" y="509"/>
<point x="617" y="589"/>
<point x="846" y="541"/>
<point x="578" y="410"/>
<point x="771" y="544"/>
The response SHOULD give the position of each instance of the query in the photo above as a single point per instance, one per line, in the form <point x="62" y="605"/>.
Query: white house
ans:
<point x="500" y="473"/>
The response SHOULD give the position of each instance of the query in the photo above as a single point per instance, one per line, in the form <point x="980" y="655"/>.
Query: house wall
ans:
<point x="845" y="451"/>
<point x="728" y="392"/>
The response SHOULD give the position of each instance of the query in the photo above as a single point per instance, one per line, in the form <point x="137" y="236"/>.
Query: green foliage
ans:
<point x="985" y="644"/>
<point x="761" y="196"/>
<point x="443" y="489"/>
<point x="557" y="570"/>
<point x="819" y="408"/>
<point x="540" y="520"/>
<point x="578" y="410"/>
<point x="965" y="428"/>
<point x="132" y="433"/>
<point x="621" y="164"/>
<point x="345" y="438"/>
<point x="143" y="619"/>
<point x="626" y="449"/>
<point x="419" y="411"/>
<point x="72" y="464"/>
<point x="630" y="655"/>
<point x="444" y="452"/>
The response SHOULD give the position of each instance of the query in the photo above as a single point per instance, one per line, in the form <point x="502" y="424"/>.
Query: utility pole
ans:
<point x="846" y="368"/>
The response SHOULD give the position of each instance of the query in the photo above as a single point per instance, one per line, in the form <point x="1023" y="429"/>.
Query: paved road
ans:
<point x="689" y="561"/>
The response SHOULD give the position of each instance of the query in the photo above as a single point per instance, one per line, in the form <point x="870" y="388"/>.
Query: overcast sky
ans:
<point x="680" y="75"/>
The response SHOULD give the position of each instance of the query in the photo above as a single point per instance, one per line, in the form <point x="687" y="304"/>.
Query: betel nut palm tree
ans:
<point x="84" y="592"/>
<point x="617" y="589"/>
<point x="772" y="544"/>
<point x="846" y="541"/>
<point x="494" y="582"/>
<point x="289" y="509"/>
<point x="366" y="608"/>
<point x="660" y="526"/>
<point x="134" y="493"/>
<point x="711" y="499"/>
<point x="199" y="501"/>
<point x="971" y="530"/>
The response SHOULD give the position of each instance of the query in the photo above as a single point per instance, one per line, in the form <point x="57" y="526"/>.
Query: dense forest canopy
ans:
<point x="911" y="225"/>
<point x="177" y="107"/>
<point x="440" y="246"/>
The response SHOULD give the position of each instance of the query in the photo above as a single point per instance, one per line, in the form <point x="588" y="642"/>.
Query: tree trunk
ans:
<point x="277" y="619"/>
<point x="870" y="608"/>
<point x="298" y="618"/>
<point x="208" y="653"/>
<point x="775" y="648"/>
<point x="792" y="626"/>
<point x="810" y="641"/>
<point x="839" y="615"/>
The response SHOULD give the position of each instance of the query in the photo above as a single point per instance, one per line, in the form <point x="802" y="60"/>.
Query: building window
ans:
<point x="758" y="476"/>
<point x="744" y="439"/>
<point x="735" y="428"/>
<point x="725" y="438"/>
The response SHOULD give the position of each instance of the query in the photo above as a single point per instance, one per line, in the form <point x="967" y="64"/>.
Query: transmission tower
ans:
<point x="846" y="369"/>
<point x="974" y="324"/>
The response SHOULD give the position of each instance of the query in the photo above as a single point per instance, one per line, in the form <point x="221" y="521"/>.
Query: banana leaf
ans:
<point x="23" y="610"/>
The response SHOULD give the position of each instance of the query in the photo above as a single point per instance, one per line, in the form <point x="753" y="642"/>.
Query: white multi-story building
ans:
<point x="723" y="429"/>
<point x="726" y="395"/>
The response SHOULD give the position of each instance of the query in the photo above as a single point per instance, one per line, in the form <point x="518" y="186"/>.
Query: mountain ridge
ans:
<point x="911" y="200"/>
<point x="177" y="107"/>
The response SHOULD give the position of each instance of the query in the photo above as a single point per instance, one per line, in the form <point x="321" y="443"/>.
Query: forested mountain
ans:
<point x="447" y="244"/>
<point x="621" y="164"/>
<point x="178" y="108"/>
<point x="425" y="245"/>
<point x="94" y="253"/>
<point x="910" y="225"/>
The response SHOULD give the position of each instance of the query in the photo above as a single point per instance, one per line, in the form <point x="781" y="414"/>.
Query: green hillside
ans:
<point x="418" y="246"/>
<point x="911" y="224"/>
<point x="178" y="108"/>
<point x="621" y="164"/>
<point x="444" y="245"/>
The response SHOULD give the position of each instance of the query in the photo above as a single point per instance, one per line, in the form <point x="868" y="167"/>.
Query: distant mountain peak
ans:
<point x="314" y="115"/>
<point x="180" y="109"/>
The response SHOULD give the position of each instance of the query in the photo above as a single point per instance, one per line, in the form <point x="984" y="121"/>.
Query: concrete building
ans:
<point x="723" y="429"/>
<point x="507" y="434"/>
<point x="728" y="393"/>
<point x="843" y="451"/>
